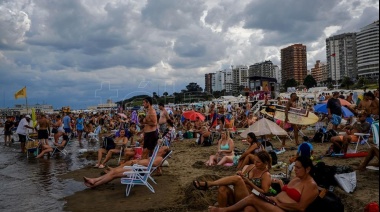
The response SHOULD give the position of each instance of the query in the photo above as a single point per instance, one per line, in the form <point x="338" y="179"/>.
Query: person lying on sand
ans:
<point x="117" y="172"/>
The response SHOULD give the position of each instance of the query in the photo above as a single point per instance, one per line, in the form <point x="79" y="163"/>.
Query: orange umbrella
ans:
<point x="192" y="115"/>
<point x="343" y="102"/>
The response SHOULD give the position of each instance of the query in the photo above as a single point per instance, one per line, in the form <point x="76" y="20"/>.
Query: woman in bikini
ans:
<point x="235" y="188"/>
<point x="120" y="143"/>
<point x="225" y="148"/>
<point x="254" y="147"/>
<point x="296" y="196"/>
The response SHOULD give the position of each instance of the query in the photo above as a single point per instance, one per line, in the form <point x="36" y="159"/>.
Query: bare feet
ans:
<point x="87" y="182"/>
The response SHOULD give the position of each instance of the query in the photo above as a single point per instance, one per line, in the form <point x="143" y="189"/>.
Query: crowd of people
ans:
<point x="213" y="122"/>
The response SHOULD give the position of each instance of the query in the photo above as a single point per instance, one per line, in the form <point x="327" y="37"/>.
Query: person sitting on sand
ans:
<point x="46" y="148"/>
<point x="373" y="152"/>
<point x="254" y="147"/>
<point x="204" y="135"/>
<point x="296" y="196"/>
<point x="117" y="172"/>
<point x="225" y="148"/>
<point x="120" y="143"/>
<point x="361" y="126"/>
<point x="234" y="188"/>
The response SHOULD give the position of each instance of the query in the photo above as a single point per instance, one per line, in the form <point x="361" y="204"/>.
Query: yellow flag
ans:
<point x="21" y="93"/>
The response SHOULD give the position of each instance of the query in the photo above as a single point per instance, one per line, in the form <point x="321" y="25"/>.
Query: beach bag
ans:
<point x="329" y="202"/>
<point x="372" y="207"/>
<point x="347" y="181"/>
<point x="273" y="155"/>
<point x="329" y="134"/>
<point x="108" y="143"/>
<point x="318" y="136"/>
<point x="207" y="142"/>
<point x="323" y="175"/>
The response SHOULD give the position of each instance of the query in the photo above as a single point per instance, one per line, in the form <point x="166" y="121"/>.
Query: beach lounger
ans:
<point x="139" y="175"/>
<point x="61" y="149"/>
<point x="95" y="135"/>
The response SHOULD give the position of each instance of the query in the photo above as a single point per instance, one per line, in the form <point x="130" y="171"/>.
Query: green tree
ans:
<point x="290" y="83"/>
<point x="193" y="87"/>
<point x="309" y="82"/>
<point x="346" y="82"/>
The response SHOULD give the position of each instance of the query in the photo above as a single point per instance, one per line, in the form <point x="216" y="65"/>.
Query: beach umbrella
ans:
<point x="343" y="102"/>
<point x="264" y="127"/>
<point x="322" y="108"/>
<point x="192" y="115"/>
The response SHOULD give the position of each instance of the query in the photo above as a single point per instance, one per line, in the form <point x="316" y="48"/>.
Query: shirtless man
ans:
<point x="292" y="103"/>
<point x="361" y="126"/>
<point x="150" y="128"/>
<point x="164" y="116"/>
<point x="374" y="107"/>
<point x="44" y="129"/>
<point x="365" y="104"/>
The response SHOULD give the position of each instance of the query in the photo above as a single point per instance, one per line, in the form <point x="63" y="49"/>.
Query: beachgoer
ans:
<point x="234" y="188"/>
<point x="67" y="123"/>
<point x="164" y="116"/>
<point x="296" y="196"/>
<point x="254" y="147"/>
<point x="43" y="131"/>
<point x="22" y="131"/>
<point x="118" y="172"/>
<point x="361" y="126"/>
<point x="334" y="109"/>
<point x="80" y="127"/>
<point x="46" y="148"/>
<point x="292" y="103"/>
<point x="225" y="148"/>
<point x="365" y="104"/>
<point x="150" y="128"/>
<point x="8" y="130"/>
<point x="373" y="152"/>
<point x="306" y="148"/>
<point x="120" y="142"/>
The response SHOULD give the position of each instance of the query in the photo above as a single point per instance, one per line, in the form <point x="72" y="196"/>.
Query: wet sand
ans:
<point x="175" y="192"/>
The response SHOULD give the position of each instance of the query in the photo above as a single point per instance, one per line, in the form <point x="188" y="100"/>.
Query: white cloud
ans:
<point x="63" y="50"/>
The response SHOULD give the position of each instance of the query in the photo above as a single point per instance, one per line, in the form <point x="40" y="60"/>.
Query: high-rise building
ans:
<point x="341" y="56"/>
<point x="264" y="69"/>
<point x="209" y="82"/>
<point x="325" y="73"/>
<point x="294" y="63"/>
<point x="368" y="51"/>
<point x="316" y="72"/>
<point x="223" y="81"/>
<point x="239" y="78"/>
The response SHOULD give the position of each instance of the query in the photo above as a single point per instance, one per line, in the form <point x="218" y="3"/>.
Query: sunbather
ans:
<point x="373" y="152"/>
<point x="246" y="157"/>
<point x="225" y="148"/>
<point x="118" y="172"/>
<point x="234" y="188"/>
<point x="296" y="196"/>
<point x="46" y="148"/>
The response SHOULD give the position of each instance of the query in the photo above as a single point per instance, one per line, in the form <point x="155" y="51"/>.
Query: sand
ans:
<point x="174" y="190"/>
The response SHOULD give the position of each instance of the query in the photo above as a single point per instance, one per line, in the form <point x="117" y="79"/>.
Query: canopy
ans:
<point x="192" y="115"/>
<point x="343" y="102"/>
<point x="264" y="127"/>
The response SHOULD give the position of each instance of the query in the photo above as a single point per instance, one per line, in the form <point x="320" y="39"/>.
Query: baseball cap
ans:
<point x="27" y="116"/>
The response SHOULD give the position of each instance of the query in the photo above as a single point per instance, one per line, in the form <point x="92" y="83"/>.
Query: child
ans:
<point x="305" y="149"/>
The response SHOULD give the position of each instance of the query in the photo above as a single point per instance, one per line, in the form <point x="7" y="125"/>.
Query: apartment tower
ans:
<point x="294" y="63"/>
<point x="368" y="51"/>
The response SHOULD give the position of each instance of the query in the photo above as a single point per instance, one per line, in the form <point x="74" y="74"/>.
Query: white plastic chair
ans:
<point x="95" y="134"/>
<point x="139" y="175"/>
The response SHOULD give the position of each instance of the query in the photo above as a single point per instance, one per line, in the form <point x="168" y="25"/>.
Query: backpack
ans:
<point x="108" y="143"/>
<point x="323" y="175"/>
<point x="329" y="203"/>
<point x="328" y="135"/>
<point x="318" y="136"/>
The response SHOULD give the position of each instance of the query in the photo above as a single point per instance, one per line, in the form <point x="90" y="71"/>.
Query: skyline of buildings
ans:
<point x="348" y="54"/>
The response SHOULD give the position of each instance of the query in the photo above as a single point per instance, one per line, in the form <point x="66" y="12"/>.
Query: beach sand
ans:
<point x="174" y="190"/>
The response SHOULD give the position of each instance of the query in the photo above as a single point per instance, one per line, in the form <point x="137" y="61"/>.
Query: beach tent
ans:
<point x="264" y="127"/>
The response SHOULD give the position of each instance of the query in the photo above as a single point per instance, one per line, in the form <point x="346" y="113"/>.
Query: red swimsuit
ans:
<point x="292" y="193"/>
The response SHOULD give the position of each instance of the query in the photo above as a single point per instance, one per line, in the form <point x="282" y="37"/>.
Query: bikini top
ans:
<point x="225" y="147"/>
<point x="292" y="193"/>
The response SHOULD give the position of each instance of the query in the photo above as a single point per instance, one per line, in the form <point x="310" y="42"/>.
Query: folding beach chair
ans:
<point x="139" y="175"/>
<point x="61" y="149"/>
<point x="95" y="135"/>
<point x="156" y="167"/>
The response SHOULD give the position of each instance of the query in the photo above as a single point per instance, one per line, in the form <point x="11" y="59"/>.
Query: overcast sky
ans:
<point x="82" y="52"/>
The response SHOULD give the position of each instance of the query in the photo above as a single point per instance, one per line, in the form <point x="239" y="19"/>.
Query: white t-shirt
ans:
<point x="21" y="129"/>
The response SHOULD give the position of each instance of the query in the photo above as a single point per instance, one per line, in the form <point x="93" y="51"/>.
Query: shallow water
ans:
<point x="29" y="184"/>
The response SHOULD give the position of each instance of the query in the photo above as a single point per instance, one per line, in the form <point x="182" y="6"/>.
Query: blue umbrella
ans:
<point x="322" y="108"/>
